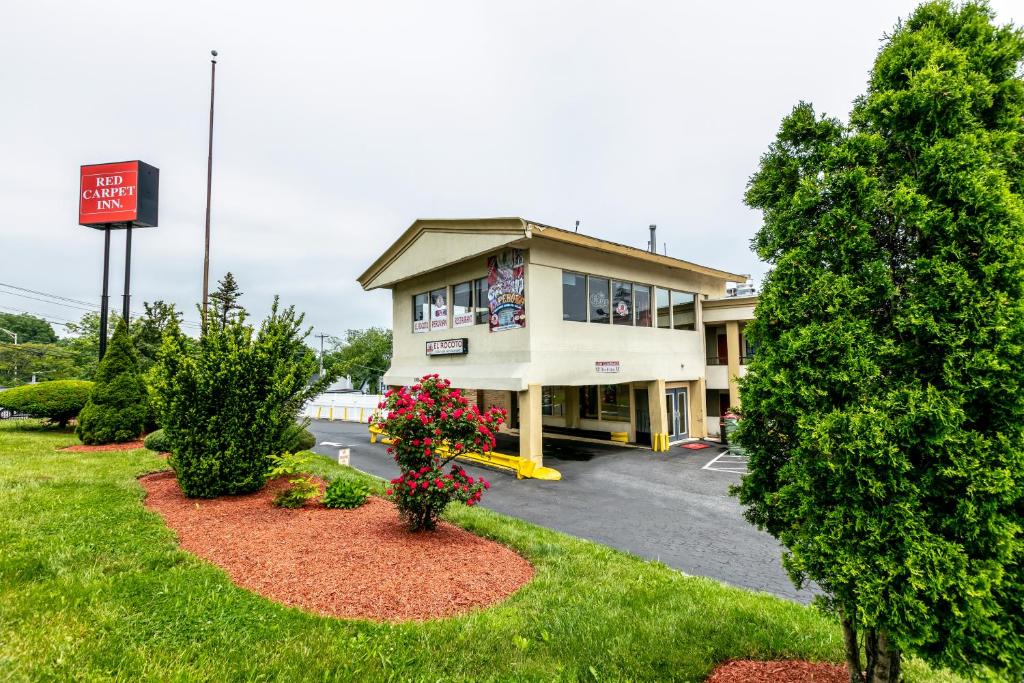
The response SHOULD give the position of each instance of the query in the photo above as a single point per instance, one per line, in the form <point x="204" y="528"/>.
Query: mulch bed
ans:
<point x="354" y="564"/>
<point x="82" y="448"/>
<point x="781" y="671"/>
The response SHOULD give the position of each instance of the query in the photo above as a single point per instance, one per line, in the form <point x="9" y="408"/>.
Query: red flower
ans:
<point x="439" y="483"/>
<point x="487" y="484"/>
<point x="424" y="485"/>
<point x="389" y="492"/>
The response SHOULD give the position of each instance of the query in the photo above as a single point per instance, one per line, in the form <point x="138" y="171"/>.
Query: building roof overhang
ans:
<point x="513" y="231"/>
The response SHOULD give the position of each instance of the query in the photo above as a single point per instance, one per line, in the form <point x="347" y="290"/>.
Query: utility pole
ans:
<point x="209" y="187"/>
<point x="321" y="337"/>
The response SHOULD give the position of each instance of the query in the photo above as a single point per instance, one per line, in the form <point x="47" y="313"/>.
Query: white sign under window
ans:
<point x="462" y="319"/>
<point x="419" y="326"/>
<point x="447" y="347"/>
<point x="606" y="366"/>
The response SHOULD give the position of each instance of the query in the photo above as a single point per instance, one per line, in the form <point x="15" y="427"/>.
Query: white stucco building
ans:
<point x="568" y="332"/>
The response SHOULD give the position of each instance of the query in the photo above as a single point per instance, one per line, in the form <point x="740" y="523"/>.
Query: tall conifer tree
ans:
<point x="884" y="412"/>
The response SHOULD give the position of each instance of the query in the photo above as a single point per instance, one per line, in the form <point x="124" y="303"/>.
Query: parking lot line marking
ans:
<point x="738" y="464"/>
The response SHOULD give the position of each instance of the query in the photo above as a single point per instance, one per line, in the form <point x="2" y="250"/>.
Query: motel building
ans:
<point x="569" y="333"/>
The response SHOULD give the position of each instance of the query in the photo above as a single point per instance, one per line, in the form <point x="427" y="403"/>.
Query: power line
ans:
<point x="89" y="308"/>
<point x="53" y="296"/>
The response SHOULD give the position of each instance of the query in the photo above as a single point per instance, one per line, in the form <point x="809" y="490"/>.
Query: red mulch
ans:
<point x="782" y="671"/>
<point x="82" y="448"/>
<point x="354" y="564"/>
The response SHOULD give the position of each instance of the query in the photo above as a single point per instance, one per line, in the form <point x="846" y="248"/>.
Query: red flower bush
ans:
<point x="431" y="424"/>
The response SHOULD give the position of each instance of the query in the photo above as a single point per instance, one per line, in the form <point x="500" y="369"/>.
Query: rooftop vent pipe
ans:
<point x="653" y="244"/>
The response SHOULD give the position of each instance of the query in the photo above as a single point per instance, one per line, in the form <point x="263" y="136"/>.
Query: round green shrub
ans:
<point x="118" y="405"/>
<point x="158" y="441"/>
<point x="59" y="401"/>
<point x="304" y="441"/>
<point x="345" y="494"/>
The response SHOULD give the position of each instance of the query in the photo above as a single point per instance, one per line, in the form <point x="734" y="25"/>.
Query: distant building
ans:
<point x="568" y="332"/>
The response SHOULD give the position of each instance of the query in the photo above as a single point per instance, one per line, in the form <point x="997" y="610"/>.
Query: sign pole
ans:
<point x="126" y="305"/>
<point x="104" y="301"/>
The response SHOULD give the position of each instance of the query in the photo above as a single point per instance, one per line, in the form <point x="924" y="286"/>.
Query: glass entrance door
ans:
<point x="677" y="405"/>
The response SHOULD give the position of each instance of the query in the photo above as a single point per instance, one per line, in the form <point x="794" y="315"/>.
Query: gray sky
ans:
<point x="339" y="123"/>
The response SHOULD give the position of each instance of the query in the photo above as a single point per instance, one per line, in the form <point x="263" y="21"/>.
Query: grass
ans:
<point x="93" y="586"/>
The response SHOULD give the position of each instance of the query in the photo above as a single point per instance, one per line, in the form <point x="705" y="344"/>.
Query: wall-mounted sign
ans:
<point x="122" y="195"/>
<point x="506" y="290"/>
<point x="606" y="366"/>
<point x="448" y="347"/>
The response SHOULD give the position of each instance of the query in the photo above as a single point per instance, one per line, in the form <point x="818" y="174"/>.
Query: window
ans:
<point x="574" y="297"/>
<point x="615" y="402"/>
<point x="483" y="312"/>
<point x="462" y="304"/>
<point x="599" y="299"/>
<point x="439" y="309"/>
<point x="421" y="312"/>
<point x="684" y="312"/>
<point x="552" y="401"/>
<point x="642" y="305"/>
<point x="588" y="402"/>
<point x="622" y="303"/>
<point x="664" y="312"/>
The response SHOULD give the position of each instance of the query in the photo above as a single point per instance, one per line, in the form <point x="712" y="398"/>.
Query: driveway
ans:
<point x="673" y="507"/>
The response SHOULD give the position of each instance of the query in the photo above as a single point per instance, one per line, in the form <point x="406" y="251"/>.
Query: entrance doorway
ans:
<point x="677" y="408"/>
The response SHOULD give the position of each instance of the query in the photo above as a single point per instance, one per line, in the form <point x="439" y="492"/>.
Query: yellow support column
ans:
<point x="658" y="413"/>
<point x="732" y="339"/>
<point x="531" y="444"/>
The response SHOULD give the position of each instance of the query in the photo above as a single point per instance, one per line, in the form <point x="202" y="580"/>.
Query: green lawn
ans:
<point x="93" y="586"/>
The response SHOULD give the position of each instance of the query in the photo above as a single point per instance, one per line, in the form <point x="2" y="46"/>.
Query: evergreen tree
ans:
<point x="884" y="411"/>
<point x="148" y="331"/>
<point x="117" y="407"/>
<point x="224" y="305"/>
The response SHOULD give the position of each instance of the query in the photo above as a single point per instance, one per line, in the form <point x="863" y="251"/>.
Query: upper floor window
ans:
<point x="664" y="312"/>
<point x="480" y="301"/>
<point x="421" y="312"/>
<point x="622" y="303"/>
<point x="600" y="309"/>
<point x="439" y="309"/>
<point x="642" y="305"/>
<point x="684" y="311"/>
<point x="574" y="297"/>
<point x="462" y="304"/>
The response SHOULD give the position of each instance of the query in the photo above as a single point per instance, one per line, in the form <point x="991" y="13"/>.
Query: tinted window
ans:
<point x="421" y="312"/>
<point x="615" y="402"/>
<point x="588" y="402"/>
<point x="600" y="302"/>
<point x="642" y="305"/>
<point x="574" y="297"/>
<point x="462" y="304"/>
<point x="663" y="310"/>
<point x="622" y="303"/>
<point x="684" y="315"/>
<point x="480" y="303"/>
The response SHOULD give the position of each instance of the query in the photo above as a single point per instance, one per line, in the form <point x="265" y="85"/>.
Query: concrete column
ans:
<point x="698" y="409"/>
<point x="659" y="419"/>
<point x="732" y="339"/>
<point x="531" y="444"/>
<point x="572" y="407"/>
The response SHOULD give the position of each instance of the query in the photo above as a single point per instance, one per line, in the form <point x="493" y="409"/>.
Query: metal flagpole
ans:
<point x="209" y="185"/>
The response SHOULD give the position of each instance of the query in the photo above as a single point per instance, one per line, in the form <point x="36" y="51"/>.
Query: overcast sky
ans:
<point x="338" y="124"/>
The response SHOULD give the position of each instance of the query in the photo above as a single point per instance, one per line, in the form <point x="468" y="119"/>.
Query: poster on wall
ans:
<point x="439" y="309"/>
<point x="506" y="290"/>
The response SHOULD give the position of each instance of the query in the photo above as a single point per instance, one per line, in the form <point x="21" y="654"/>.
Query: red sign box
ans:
<point x="109" y="193"/>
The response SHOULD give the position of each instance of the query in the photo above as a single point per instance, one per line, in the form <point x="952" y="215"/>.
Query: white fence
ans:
<point x="347" y="407"/>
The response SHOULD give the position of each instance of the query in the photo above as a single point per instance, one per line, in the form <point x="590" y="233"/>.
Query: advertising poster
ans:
<point x="506" y="290"/>
<point x="439" y="310"/>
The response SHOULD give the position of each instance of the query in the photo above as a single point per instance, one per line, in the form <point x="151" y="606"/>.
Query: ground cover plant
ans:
<point x="118" y="406"/>
<point x="345" y="494"/>
<point x="301" y="487"/>
<point x="59" y="401"/>
<point x="884" y="409"/>
<point x="93" y="587"/>
<point x="430" y="425"/>
<point x="230" y="401"/>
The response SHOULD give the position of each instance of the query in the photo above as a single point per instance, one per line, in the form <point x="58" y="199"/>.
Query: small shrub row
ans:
<point x="59" y="401"/>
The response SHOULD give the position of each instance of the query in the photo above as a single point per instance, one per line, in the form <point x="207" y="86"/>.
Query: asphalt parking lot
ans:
<point x="673" y="507"/>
